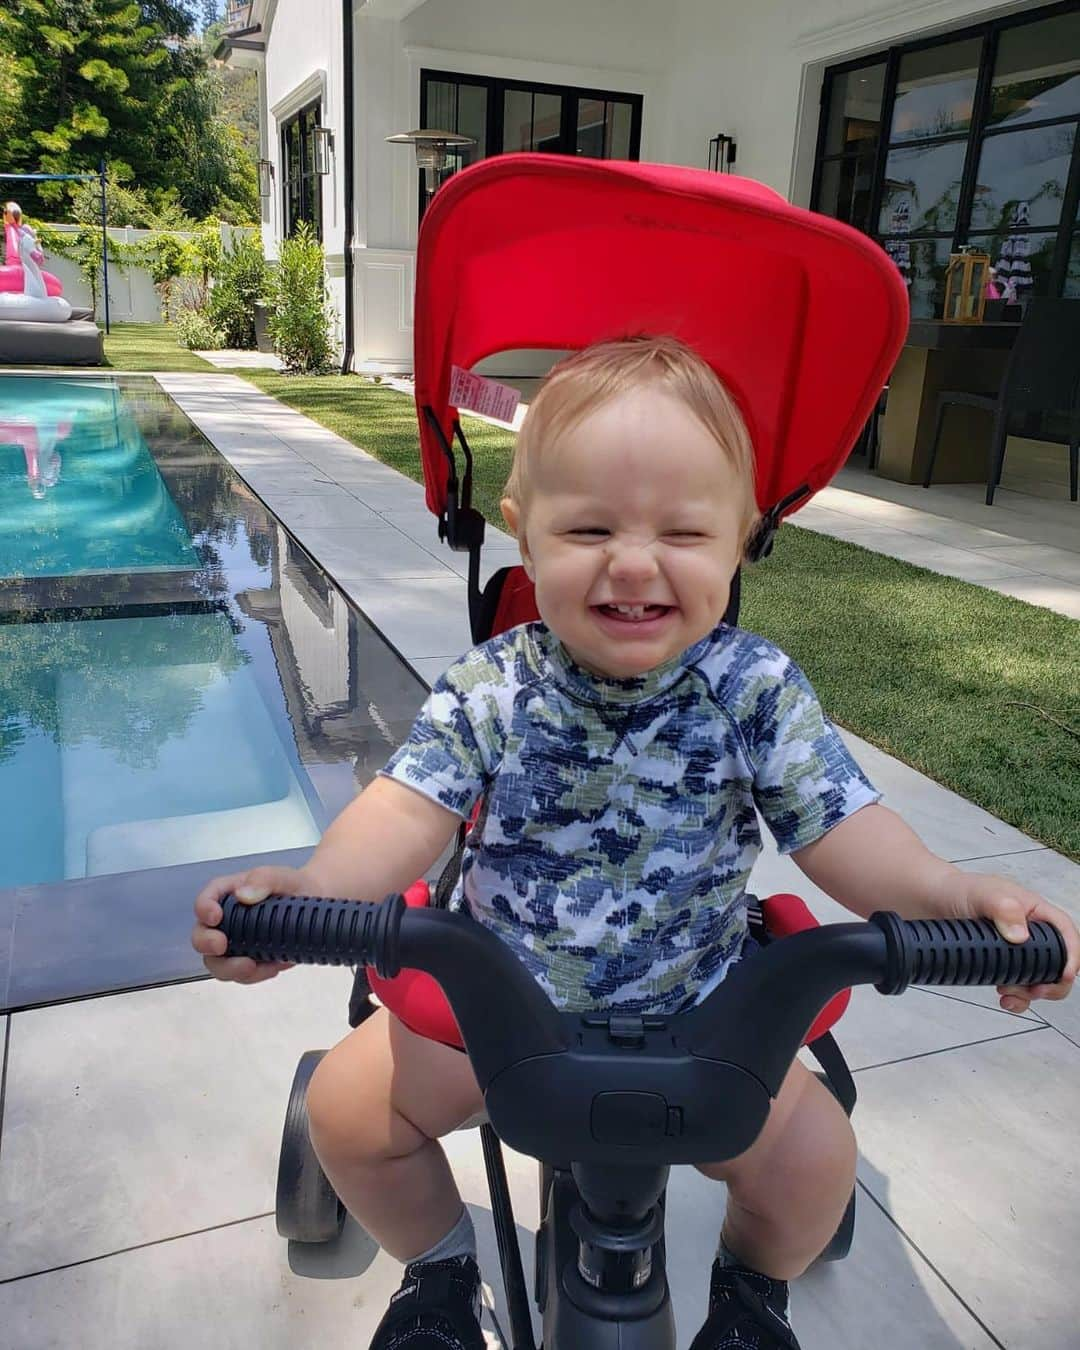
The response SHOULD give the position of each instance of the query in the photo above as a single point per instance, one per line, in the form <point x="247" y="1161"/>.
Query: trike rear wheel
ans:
<point x="307" y="1208"/>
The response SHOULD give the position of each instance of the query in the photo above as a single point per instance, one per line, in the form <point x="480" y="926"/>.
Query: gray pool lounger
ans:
<point x="78" y="342"/>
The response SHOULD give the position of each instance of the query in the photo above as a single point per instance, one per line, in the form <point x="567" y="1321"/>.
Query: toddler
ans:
<point x="623" y="749"/>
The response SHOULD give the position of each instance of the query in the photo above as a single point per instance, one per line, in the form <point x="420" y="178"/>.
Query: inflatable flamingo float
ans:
<point x="26" y="292"/>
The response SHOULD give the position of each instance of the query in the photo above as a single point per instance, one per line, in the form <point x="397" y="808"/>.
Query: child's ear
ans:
<point x="511" y="513"/>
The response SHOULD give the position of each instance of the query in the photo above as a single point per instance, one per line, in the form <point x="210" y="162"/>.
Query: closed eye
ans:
<point x="689" y="535"/>
<point x="589" y="531"/>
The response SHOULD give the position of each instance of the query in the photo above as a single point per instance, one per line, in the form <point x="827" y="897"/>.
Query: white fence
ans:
<point x="132" y="297"/>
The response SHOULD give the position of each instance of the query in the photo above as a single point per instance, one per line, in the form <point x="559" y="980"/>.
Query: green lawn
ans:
<point x="946" y="676"/>
<point x="148" y="346"/>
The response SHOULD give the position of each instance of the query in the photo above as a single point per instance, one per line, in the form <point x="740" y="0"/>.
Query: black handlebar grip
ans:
<point x="313" y="931"/>
<point x="966" y="951"/>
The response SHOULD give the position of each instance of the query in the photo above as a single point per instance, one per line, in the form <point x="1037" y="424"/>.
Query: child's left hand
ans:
<point x="1010" y="907"/>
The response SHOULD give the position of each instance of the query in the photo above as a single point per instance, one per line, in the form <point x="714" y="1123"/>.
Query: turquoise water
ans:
<point x="79" y="489"/>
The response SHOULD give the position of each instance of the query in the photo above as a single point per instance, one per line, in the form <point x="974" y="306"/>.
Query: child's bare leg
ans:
<point x="376" y="1105"/>
<point x="787" y="1193"/>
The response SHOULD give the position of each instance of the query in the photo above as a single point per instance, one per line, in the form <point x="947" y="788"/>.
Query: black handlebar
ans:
<point x="724" y="1058"/>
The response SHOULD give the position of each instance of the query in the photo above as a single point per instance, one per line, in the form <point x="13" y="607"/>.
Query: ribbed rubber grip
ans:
<point x="966" y="951"/>
<point x="313" y="931"/>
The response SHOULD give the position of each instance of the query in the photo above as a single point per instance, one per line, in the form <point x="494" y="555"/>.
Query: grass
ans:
<point x="149" y="346"/>
<point x="966" y="685"/>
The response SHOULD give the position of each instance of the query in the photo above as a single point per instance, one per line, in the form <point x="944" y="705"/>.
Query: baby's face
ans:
<point x="632" y="533"/>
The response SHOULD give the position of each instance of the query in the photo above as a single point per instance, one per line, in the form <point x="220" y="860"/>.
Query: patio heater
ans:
<point x="432" y="148"/>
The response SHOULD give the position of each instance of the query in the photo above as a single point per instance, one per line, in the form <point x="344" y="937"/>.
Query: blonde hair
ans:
<point x="14" y="210"/>
<point x="585" y="381"/>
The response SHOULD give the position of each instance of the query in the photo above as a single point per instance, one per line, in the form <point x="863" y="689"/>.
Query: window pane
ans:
<point x="855" y="109"/>
<point x="547" y="122"/>
<point x="620" y="123"/>
<point x="1021" y="262"/>
<point x="531" y="121"/>
<point x="935" y="91"/>
<point x="591" y="127"/>
<point x="1022" y="177"/>
<point x="922" y="265"/>
<point x="845" y="190"/>
<point x="923" y="182"/>
<point x="451" y="106"/>
<point x="1037" y="74"/>
<point x="1072" y="276"/>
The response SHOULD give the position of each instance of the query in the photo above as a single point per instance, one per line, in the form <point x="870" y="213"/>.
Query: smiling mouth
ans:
<point x="634" y="613"/>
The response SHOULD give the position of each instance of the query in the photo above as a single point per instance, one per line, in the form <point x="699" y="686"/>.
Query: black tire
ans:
<point x="840" y="1242"/>
<point x="307" y="1206"/>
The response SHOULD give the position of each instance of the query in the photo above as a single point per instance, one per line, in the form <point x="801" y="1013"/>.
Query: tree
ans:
<point x="122" y="79"/>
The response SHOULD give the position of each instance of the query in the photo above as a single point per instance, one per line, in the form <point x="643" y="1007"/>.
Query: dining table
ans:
<point x="937" y="356"/>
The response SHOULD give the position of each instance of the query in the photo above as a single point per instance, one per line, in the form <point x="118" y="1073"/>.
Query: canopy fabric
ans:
<point x="801" y="316"/>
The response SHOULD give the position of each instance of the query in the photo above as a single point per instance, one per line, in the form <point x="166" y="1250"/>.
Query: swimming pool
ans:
<point x="191" y="692"/>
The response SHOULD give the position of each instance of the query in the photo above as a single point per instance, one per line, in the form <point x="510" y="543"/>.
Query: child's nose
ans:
<point x="632" y="562"/>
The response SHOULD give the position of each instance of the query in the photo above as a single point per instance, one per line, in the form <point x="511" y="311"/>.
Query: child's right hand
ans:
<point x="249" y="888"/>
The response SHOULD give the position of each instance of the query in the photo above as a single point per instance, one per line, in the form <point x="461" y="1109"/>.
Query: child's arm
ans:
<point x="379" y="845"/>
<point x="873" y="860"/>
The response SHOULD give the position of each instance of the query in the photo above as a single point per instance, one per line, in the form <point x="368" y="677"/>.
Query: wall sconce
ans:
<point x="721" y="153"/>
<point x="265" y="168"/>
<point x="431" y="151"/>
<point x="323" y="142"/>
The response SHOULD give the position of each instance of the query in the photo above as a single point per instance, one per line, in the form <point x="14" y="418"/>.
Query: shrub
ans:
<point x="168" y="258"/>
<point x="195" y="330"/>
<point x="301" y="318"/>
<point x="239" y="281"/>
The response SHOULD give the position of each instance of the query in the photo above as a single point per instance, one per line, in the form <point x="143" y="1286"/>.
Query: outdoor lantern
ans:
<point x="721" y="153"/>
<point x="266" y="176"/>
<point x="431" y="151"/>
<point x="965" y="285"/>
<point x="323" y="141"/>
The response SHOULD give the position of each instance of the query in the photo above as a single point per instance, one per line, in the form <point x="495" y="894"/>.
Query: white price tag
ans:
<point x="476" y="393"/>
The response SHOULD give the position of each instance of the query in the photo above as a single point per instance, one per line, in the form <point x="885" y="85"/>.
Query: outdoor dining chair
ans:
<point x="1039" y="395"/>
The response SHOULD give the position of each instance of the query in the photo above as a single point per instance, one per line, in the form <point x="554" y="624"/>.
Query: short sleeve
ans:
<point x="805" y="780"/>
<point x="453" y="747"/>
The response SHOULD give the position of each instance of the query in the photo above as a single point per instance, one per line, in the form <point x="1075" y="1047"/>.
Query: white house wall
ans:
<point x="304" y="60"/>
<point x="748" y="68"/>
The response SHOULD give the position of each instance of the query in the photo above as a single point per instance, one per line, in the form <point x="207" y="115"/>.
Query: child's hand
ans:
<point x="249" y="887"/>
<point x="1010" y="907"/>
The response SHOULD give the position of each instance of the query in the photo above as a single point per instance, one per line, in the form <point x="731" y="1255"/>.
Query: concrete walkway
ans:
<point x="140" y="1131"/>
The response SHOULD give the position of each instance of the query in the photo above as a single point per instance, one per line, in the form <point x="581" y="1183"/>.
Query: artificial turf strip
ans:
<point x="149" y="346"/>
<point x="926" y="667"/>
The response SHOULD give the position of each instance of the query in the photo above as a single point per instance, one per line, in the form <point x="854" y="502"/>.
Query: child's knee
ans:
<point x="349" y="1113"/>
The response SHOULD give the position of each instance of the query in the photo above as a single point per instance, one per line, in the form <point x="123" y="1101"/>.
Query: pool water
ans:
<point x="79" y="489"/>
<point x="182" y="689"/>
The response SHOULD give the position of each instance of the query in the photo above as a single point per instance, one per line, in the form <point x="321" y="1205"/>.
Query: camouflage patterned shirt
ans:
<point x="618" y="826"/>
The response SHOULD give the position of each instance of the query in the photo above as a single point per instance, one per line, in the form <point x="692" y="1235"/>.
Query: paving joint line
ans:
<point x="923" y="1256"/>
<point x="136" y="1247"/>
<point x="948" y="1049"/>
<point x="3" y="1076"/>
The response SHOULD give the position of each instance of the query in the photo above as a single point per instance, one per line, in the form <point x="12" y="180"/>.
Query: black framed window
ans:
<point x="503" y="116"/>
<point x="301" y="184"/>
<point x="968" y="138"/>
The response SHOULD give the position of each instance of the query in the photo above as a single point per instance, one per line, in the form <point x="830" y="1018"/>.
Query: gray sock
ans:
<point x="460" y="1241"/>
<point x="458" y="1244"/>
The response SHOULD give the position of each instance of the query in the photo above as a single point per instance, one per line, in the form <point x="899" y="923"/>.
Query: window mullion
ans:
<point x="1066" y="225"/>
<point x="979" y="114"/>
<point x="888" y="103"/>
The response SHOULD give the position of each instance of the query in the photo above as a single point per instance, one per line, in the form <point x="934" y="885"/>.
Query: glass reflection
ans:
<point x="846" y="186"/>
<point x="532" y="121"/>
<point x="1021" y="261"/>
<point x="935" y="91"/>
<point x="1026" y="169"/>
<point x="1037" y="72"/>
<point x="1072" y="276"/>
<point x="855" y="110"/>
<point x="924" y="181"/>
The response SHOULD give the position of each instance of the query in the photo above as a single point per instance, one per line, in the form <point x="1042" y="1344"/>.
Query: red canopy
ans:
<point x="801" y="316"/>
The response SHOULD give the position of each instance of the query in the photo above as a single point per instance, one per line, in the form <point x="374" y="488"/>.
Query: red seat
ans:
<point x="417" y="1000"/>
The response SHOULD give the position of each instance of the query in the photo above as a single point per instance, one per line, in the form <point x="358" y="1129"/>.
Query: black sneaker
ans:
<point x="436" y="1308"/>
<point x="747" y="1311"/>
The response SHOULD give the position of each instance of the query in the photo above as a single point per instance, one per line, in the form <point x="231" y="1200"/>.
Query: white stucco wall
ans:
<point x="304" y="61"/>
<point x="748" y="68"/>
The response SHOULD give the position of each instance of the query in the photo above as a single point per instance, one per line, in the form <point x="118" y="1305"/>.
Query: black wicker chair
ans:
<point x="1040" y="390"/>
